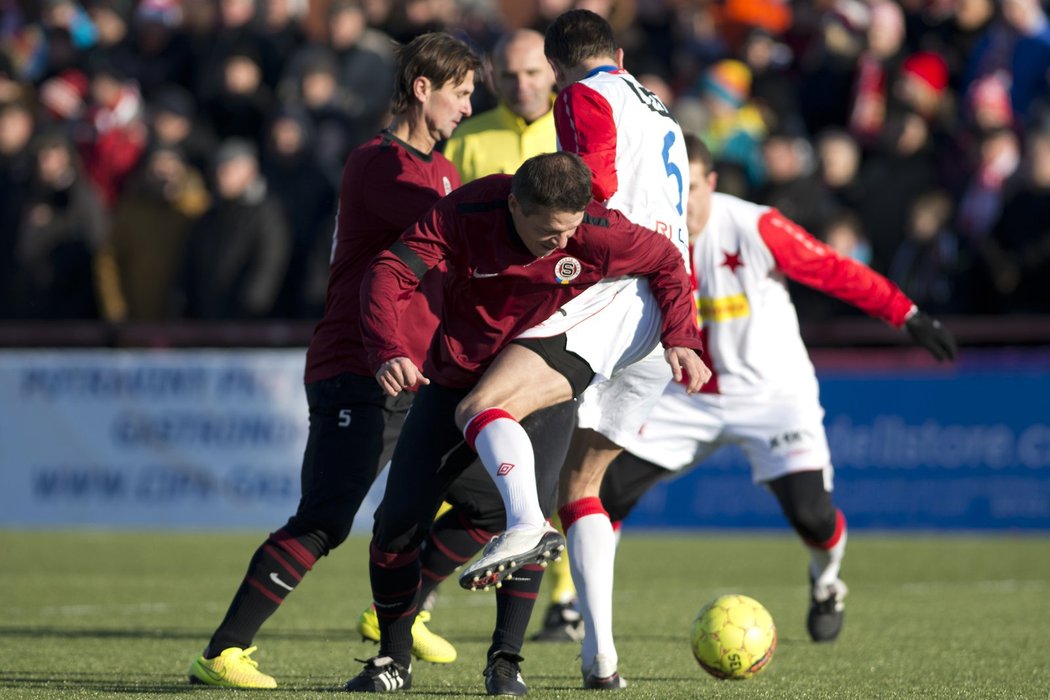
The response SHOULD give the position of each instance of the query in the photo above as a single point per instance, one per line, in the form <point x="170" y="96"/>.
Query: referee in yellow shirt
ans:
<point x="522" y="125"/>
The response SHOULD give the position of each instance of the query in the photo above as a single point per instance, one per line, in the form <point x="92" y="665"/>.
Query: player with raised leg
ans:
<point x="636" y="152"/>
<point x="517" y="249"/>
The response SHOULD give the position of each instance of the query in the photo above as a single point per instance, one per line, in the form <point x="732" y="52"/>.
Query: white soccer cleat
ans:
<point x="510" y="551"/>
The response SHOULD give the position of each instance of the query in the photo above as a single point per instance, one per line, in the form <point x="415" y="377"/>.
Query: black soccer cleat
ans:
<point x="503" y="676"/>
<point x="561" y="623"/>
<point x="602" y="675"/>
<point x="381" y="674"/>
<point x="827" y="611"/>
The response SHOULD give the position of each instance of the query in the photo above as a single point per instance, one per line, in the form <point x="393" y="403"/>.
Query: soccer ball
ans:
<point x="733" y="637"/>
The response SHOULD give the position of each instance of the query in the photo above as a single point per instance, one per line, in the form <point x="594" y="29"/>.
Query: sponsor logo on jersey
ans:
<point x="724" y="308"/>
<point x="567" y="269"/>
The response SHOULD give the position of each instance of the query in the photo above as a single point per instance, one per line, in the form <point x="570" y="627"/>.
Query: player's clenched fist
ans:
<point x="399" y="373"/>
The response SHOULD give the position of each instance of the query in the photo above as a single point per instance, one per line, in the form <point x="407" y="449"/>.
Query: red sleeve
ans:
<point x="636" y="251"/>
<point x="585" y="125"/>
<point x="805" y="259"/>
<point x="391" y="280"/>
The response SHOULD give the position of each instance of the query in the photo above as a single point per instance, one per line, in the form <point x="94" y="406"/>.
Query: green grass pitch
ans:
<point x="120" y="615"/>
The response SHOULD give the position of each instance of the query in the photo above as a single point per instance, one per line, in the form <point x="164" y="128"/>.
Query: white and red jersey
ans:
<point x="638" y="162"/>
<point x="749" y="325"/>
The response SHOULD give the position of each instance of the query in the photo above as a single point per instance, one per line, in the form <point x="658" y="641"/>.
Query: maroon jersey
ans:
<point x="387" y="185"/>
<point x="495" y="288"/>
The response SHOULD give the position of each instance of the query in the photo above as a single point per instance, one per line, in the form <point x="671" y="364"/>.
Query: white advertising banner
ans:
<point x="144" y="438"/>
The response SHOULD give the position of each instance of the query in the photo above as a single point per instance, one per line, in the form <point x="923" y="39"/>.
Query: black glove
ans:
<point x="929" y="333"/>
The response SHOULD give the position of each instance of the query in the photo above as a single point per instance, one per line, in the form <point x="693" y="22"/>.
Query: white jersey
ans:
<point x="763" y="394"/>
<point x="750" y="328"/>
<point x="639" y="166"/>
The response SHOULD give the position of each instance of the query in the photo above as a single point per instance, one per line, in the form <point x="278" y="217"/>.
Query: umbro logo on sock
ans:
<point x="504" y="469"/>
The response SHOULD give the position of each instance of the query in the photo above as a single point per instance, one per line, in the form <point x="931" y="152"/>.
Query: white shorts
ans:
<point x="779" y="433"/>
<point x="615" y="327"/>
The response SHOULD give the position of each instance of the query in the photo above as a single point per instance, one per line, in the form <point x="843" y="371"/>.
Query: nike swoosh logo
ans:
<point x="277" y="579"/>
<point x="207" y="671"/>
<point x="483" y="275"/>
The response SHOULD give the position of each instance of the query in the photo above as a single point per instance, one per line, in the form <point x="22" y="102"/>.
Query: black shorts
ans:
<point x="566" y="363"/>
<point x="431" y="455"/>
<point x="626" y="481"/>
<point x="353" y="428"/>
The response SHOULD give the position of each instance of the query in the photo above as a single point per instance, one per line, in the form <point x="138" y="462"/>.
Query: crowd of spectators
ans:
<point x="167" y="159"/>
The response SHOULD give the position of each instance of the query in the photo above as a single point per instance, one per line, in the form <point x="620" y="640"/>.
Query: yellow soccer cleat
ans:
<point x="426" y="646"/>
<point x="368" y="624"/>
<point x="233" y="668"/>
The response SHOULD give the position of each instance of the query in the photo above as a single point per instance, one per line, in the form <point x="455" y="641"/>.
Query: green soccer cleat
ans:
<point x="233" y="668"/>
<point x="426" y="646"/>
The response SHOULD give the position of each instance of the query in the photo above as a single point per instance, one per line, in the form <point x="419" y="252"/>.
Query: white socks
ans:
<point x="506" y="451"/>
<point x="591" y="543"/>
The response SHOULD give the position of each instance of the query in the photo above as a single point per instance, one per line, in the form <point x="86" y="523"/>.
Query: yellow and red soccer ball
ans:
<point x="733" y="637"/>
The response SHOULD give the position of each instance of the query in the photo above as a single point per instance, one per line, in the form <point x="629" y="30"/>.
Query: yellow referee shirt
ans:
<point x="498" y="141"/>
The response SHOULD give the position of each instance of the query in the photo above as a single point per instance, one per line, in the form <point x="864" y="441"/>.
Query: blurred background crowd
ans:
<point x="180" y="159"/>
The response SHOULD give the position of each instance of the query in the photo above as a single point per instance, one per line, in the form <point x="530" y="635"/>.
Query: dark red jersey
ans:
<point x="387" y="185"/>
<point x="495" y="288"/>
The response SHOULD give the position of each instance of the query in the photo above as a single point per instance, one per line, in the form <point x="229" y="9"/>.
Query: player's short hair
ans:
<point x="698" y="152"/>
<point x="437" y="56"/>
<point x="558" y="181"/>
<point x="578" y="35"/>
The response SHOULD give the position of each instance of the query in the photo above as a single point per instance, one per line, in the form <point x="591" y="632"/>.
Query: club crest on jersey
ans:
<point x="567" y="269"/>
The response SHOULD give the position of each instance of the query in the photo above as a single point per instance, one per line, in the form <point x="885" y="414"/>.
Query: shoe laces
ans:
<point x="245" y="657"/>
<point x="504" y="665"/>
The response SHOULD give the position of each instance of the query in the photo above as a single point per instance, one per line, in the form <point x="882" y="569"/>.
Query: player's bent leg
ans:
<point x="518" y="383"/>
<point x="507" y="451"/>
<point x="807" y="505"/>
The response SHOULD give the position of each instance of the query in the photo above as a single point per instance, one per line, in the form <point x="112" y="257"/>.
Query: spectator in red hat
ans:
<point x="923" y="83"/>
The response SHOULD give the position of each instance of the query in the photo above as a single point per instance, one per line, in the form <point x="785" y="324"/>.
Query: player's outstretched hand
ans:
<point x="929" y="333"/>
<point x="399" y="373"/>
<point x="688" y="368"/>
